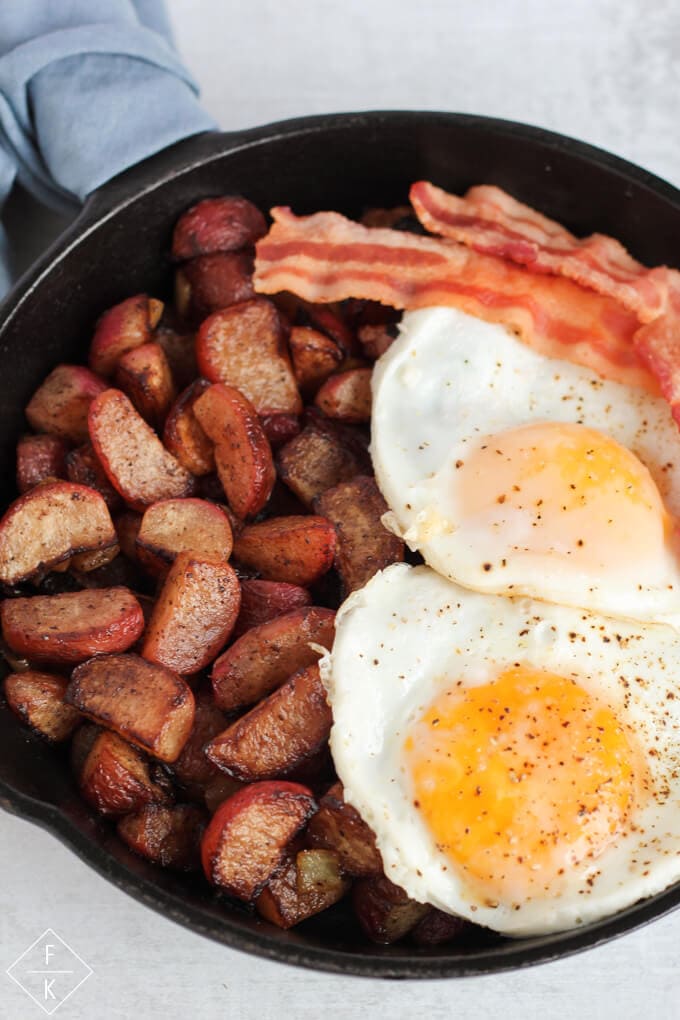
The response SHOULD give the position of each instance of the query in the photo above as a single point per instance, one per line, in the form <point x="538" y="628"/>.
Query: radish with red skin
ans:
<point x="132" y="455"/>
<point x="61" y="403"/>
<point x="127" y="325"/>
<point x="243" y="456"/>
<point x="246" y="840"/>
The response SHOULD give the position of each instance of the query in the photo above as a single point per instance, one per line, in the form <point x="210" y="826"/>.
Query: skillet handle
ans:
<point x="164" y="165"/>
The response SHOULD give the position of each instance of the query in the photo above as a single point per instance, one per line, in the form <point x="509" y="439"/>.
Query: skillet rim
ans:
<point x="103" y="205"/>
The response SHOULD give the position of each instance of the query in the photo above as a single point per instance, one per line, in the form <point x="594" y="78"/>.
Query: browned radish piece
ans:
<point x="183" y="525"/>
<point x="180" y="351"/>
<point x="40" y="458"/>
<point x="184" y="437"/>
<point x="132" y="455"/>
<point x="113" y="776"/>
<point x="309" y="883"/>
<point x="61" y="403"/>
<point x="244" y="346"/>
<point x="145" y="703"/>
<point x="364" y="543"/>
<point x="73" y="626"/>
<point x="280" y="733"/>
<point x="47" y="525"/>
<point x="266" y="655"/>
<point x="347" y="396"/>
<point x="280" y="428"/>
<point x="317" y="460"/>
<point x="127" y="527"/>
<point x="384" y="911"/>
<point x="376" y="339"/>
<point x="194" y="614"/>
<point x="169" y="836"/>
<point x="144" y="374"/>
<point x="438" y="927"/>
<point x="211" y="282"/>
<point x="245" y="843"/>
<point x="243" y="455"/>
<point x="262" y="601"/>
<point x="84" y="468"/>
<point x="38" y="700"/>
<point x="122" y="328"/>
<point x="193" y="769"/>
<point x="226" y="223"/>
<point x="298" y="550"/>
<point x="338" y="826"/>
<point x="315" y="357"/>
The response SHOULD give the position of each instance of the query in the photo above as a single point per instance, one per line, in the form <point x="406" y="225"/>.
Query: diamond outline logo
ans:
<point x="48" y="933"/>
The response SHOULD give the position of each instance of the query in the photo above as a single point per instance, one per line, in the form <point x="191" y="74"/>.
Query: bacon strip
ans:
<point x="493" y="223"/>
<point x="658" y="345"/>
<point x="326" y="258"/>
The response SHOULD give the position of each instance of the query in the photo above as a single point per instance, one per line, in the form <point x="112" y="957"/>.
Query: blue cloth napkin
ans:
<point x="87" y="89"/>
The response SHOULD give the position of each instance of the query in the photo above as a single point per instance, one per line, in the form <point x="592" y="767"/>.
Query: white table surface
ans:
<point x="607" y="71"/>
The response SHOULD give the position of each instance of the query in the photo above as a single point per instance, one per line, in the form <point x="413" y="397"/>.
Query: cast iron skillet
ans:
<point x="118" y="246"/>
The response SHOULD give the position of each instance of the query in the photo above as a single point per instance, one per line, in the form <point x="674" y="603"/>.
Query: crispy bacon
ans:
<point x="491" y="222"/>
<point x="658" y="344"/>
<point x="326" y="257"/>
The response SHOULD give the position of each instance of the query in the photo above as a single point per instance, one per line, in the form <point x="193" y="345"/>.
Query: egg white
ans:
<point x="410" y="631"/>
<point x="451" y="379"/>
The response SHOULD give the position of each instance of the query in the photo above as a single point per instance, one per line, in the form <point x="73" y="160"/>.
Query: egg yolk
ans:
<point x="522" y="778"/>
<point x="562" y="489"/>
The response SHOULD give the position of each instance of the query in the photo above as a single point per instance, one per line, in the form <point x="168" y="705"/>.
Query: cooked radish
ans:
<point x="73" y="626"/>
<point x="265" y="656"/>
<point x="280" y="733"/>
<point x="132" y="455"/>
<point x="243" y="455"/>
<point x="47" y="525"/>
<point x="244" y="346"/>
<point x="145" y="703"/>
<point x="184" y="437"/>
<point x="144" y="375"/>
<point x="298" y="550"/>
<point x="61" y="404"/>
<point x="122" y="328"/>
<point x="38" y="699"/>
<point x="172" y="526"/>
<point x="246" y="841"/>
<point x="194" y="614"/>
<point x="40" y="458"/>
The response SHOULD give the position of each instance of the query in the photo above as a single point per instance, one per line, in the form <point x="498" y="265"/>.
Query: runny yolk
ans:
<point x="556" y="488"/>
<point x="520" y="779"/>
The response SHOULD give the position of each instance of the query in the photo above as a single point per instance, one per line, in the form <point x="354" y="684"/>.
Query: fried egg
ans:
<point x="513" y="473"/>
<point x="518" y="761"/>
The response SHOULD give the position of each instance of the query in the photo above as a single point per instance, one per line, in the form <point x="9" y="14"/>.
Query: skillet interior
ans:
<point x="119" y="246"/>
